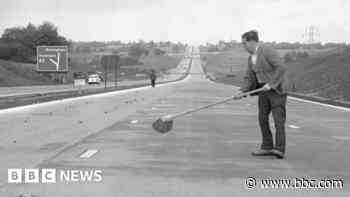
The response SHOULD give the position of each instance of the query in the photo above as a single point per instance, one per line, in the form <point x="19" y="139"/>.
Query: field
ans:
<point x="15" y="74"/>
<point x="325" y="73"/>
<point x="161" y="63"/>
<point x="20" y="74"/>
<point x="227" y="67"/>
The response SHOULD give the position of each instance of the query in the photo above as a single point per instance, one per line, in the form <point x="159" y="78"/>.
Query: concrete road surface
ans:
<point x="206" y="153"/>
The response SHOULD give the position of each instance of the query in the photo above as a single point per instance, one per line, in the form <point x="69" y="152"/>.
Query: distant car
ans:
<point x="94" y="79"/>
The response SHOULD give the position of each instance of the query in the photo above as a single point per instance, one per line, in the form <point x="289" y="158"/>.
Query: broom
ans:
<point x="165" y="123"/>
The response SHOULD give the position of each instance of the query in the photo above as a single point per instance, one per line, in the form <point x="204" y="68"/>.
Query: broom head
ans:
<point x="163" y="126"/>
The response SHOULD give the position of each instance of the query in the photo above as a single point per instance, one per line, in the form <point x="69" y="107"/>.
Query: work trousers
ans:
<point x="271" y="101"/>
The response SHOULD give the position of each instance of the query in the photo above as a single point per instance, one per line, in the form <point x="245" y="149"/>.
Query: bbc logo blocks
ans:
<point x="47" y="175"/>
<point x="31" y="175"/>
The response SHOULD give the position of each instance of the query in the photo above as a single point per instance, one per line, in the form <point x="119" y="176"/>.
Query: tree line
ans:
<point x="19" y="43"/>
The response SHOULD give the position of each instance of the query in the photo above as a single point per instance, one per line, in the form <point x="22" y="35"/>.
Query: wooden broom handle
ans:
<point x="170" y="117"/>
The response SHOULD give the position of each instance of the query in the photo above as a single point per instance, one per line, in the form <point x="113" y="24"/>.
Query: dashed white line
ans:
<point x="88" y="153"/>
<point x="293" y="126"/>
<point x="134" y="121"/>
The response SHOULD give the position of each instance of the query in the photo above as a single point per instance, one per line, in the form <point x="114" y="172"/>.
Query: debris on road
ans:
<point x="134" y="121"/>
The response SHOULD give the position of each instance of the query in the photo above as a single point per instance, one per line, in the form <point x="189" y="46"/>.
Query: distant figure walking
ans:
<point x="153" y="77"/>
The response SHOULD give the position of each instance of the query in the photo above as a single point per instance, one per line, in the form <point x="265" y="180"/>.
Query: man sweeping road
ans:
<point x="266" y="69"/>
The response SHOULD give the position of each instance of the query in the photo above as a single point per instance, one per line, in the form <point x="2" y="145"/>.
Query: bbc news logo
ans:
<point x="48" y="175"/>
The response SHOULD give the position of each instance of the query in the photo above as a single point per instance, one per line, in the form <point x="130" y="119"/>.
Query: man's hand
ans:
<point x="238" y="96"/>
<point x="266" y="87"/>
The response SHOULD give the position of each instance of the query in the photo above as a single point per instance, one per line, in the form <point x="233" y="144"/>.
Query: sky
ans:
<point x="189" y="21"/>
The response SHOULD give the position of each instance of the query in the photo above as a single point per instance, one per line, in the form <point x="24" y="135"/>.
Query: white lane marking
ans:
<point x="342" y="137"/>
<point x="317" y="103"/>
<point x="134" y="121"/>
<point x="88" y="153"/>
<point x="293" y="126"/>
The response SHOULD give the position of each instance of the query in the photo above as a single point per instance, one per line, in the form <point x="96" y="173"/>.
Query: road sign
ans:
<point x="109" y="62"/>
<point x="52" y="58"/>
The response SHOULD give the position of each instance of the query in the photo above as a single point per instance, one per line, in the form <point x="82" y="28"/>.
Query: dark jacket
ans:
<point x="269" y="68"/>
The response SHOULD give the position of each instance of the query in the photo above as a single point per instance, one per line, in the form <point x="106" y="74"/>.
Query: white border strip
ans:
<point x="318" y="103"/>
<point x="49" y="103"/>
<point x="98" y="95"/>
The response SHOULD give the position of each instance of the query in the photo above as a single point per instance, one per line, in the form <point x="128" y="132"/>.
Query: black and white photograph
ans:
<point x="161" y="98"/>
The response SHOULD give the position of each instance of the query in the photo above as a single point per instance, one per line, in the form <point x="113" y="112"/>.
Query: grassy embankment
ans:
<point x="325" y="73"/>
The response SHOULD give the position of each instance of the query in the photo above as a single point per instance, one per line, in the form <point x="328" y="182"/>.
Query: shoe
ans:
<point x="262" y="152"/>
<point x="277" y="153"/>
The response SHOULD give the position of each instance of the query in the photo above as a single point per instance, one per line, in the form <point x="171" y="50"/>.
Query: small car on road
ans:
<point x="94" y="79"/>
